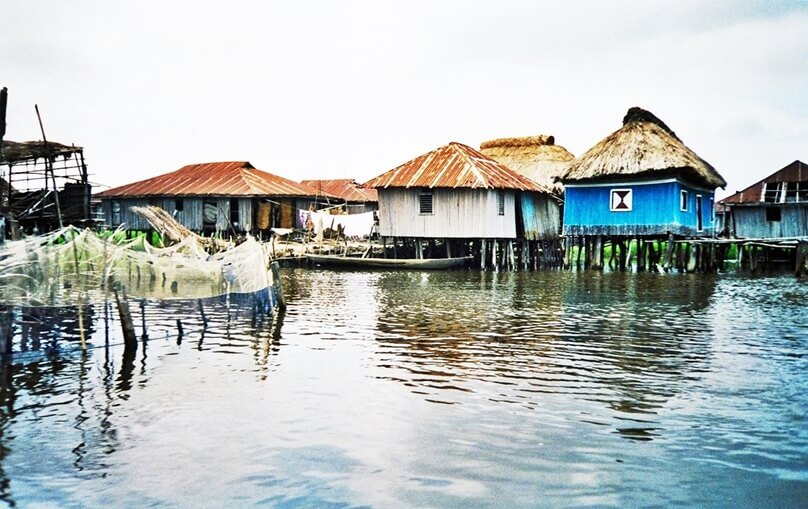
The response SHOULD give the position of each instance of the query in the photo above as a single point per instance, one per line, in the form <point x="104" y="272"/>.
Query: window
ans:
<point x="791" y="191"/>
<point x="802" y="191"/>
<point x="773" y="214"/>
<point x="683" y="201"/>
<point x="699" y="220"/>
<point x="771" y="192"/>
<point x="179" y="206"/>
<point x="621" y="200"/>
<point x="210" y="212"/>
<point x="501" y="203"/>
<point x="116" y="213"/>
<point x="425" y="201"/>
<point x="234" y="215"/>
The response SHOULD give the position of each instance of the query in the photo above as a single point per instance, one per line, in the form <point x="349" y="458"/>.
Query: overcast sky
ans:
<point x="353" y="88"/>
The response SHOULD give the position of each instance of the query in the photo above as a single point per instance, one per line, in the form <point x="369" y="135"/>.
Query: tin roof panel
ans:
<point x="454" y="166"/>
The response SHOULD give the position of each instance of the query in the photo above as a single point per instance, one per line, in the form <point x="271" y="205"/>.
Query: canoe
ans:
<point x="388" y="263"/>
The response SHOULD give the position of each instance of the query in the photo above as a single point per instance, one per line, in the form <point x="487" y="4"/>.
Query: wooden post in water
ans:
<point x="669" y="248"/>
<point x="801" y="259"/>
<point x="202" y="313"/>
<point x="692" y="260"/>
<point x="143" y="318"/>
<point x="8" y="330"/>
<point x="511" y="256"/>
<point x="127" y="327"/>
<point x="277" y="285"/>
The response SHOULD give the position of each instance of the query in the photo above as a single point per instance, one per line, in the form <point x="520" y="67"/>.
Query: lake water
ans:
<point x="410" y="389"/>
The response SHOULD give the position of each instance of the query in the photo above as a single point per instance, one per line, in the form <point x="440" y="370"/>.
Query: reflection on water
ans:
<point x="409" y="389"/>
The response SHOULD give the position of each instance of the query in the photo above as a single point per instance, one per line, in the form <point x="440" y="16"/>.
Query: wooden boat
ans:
<point x="388" y="263"/>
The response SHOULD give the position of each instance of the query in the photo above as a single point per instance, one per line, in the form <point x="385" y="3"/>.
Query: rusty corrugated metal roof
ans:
<point x="235" y="178"/>
<point x="794" y="172"/>
<point x="455" y="166"/>
<point x="346" y="189"/>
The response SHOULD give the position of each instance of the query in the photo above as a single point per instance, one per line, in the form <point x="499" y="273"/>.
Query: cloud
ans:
<point x="325" y="89"/>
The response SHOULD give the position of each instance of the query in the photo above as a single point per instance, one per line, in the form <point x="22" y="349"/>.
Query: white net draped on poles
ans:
<point x="71" y="265"/>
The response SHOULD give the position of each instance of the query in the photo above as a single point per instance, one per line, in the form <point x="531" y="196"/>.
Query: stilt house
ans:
<point x="457" y="196"/>
<point x="536" y="157"/>
<point x="227" y="197"/>
<point x="354" y="198"/>
<point x="640" y="182"/>
<point x="775" y="207"/>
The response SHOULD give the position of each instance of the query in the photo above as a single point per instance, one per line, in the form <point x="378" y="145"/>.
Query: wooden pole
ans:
<point x="127" y="327"/>
<point x="277" y="284"/>
<point x="693" y="259"/>
<point x="801" y="259"/>
<point x="49" y="167"/>
<point x="3" y="104"/>
<point x="143" y="318"/>
<point x="202" y="313"/>
<point x="8" y="330"/>
<point x="669" y="248"/>
<point x="78" y="290"/>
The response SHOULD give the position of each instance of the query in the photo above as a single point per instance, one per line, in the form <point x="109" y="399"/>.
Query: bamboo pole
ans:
<point x="78" y="289"/>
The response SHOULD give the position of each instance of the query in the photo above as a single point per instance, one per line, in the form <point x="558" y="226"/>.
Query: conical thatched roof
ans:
<point x="536" y="157"/>
<point x="643" y="147"/>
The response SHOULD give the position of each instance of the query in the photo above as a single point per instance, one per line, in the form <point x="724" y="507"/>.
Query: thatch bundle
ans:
<point x="175" y="232"/>
<point x="536" y="157"/>
<point x="262" y="219"/>
<point x="644" y="146"/>
<point x="14" y="151"/>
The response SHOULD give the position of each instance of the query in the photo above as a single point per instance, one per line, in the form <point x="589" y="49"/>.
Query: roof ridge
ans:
<point x="470" y="158"/>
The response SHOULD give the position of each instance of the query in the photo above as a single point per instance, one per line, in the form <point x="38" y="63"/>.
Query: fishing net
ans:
<point x="70" y="266"/>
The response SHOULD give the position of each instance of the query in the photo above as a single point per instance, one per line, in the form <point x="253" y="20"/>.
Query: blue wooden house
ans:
<point x="640" y="182"/>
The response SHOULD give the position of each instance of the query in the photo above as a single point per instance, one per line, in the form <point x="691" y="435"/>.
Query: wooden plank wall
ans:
<point x="751" y="223"/>
<point x="457" y="213"/>
<point x="190" y="216"/>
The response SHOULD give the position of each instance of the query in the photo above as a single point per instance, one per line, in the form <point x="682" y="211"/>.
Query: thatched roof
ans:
<point x="536" y="157"/>
<point x="643" y="147"/>
<point x="14" y="151"/>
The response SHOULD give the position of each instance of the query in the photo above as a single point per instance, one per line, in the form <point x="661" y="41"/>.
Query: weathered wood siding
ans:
<point x="190" y="216"/>
<point x="541" y="216"/>
<point x="751" y="221"/>
<point x="457" y="213"/>
<point x="656" y="209"/>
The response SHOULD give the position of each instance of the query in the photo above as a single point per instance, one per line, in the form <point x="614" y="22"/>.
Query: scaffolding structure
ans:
<point x="44" y="186"/>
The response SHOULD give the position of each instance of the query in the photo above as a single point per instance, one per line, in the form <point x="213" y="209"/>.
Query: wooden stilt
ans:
<point x="801" y="266"/>
<point x="277" y="284"/>
<point x="669" y="251"/>
<point x="127" y="327"/>
<point x="692" y="260"/>
<point x="511" y="256"/>
<point x="8" y="330"/>
<point x="202" y="313"/>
